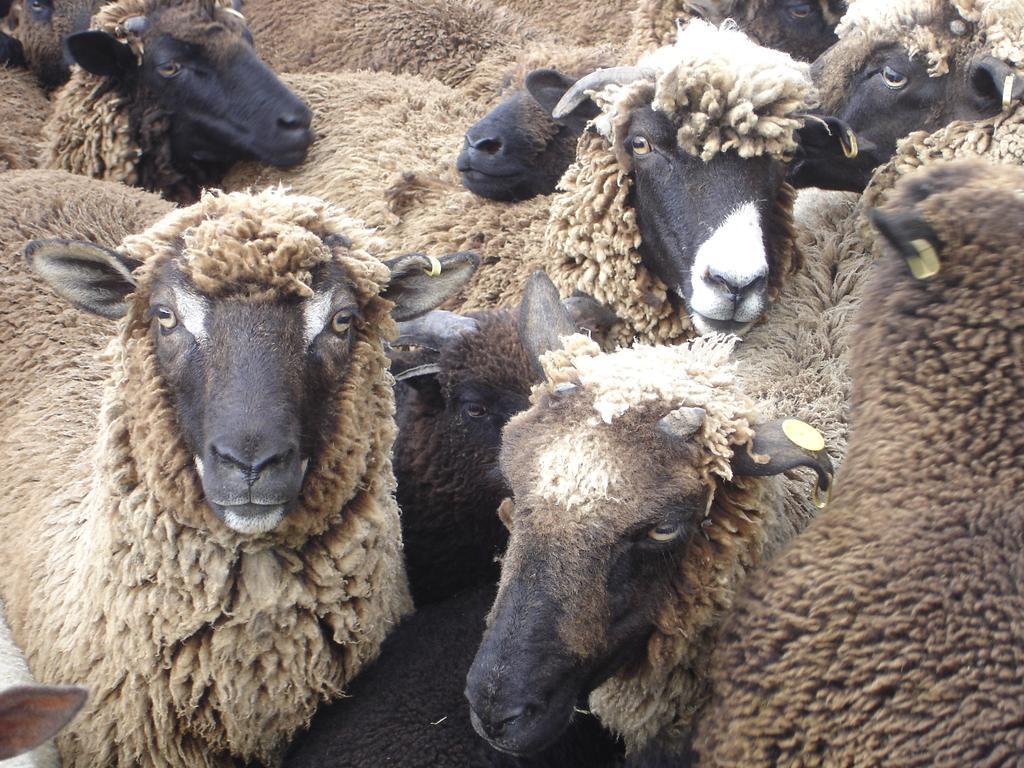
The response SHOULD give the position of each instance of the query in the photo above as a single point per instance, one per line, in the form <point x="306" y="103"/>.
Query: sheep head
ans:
<point x="201" y="99"/>
<point x="252" y="331"/>
<point x="901" y="67"/>
<point x="685" y="173"/>
<point x="629" y="528"/>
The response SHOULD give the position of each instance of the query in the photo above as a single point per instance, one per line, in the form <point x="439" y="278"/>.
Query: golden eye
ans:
<point x="893" y="79"/>
<point x="665" y="532"/>
<point x="641" y="146"/>
<point x="166" y="318"/>
<point x="341" y="321"/>
<point x="170" y="69"/>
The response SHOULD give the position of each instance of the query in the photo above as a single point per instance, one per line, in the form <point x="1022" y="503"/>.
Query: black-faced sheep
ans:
<point x="654" y="209"/>
<point x="40" y="27"/>
<point x="640" y="503"/>
<point x="167" y="96"/>
<point x="30" y="714"/>
<point x="889" y="633"/>
<point x="219" y="551"/>
<point x="914" y="65"/>
<point x="23" y="109"/>
<point x="460" y="381"/>
<point x="516" y="151"/>
<point x="408" y="709"/>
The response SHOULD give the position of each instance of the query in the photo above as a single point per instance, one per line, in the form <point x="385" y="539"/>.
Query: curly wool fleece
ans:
<point x="724" y="92"/>
<point x="201" y="646"/>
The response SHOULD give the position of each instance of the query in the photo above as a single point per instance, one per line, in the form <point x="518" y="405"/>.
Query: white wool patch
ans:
<point x="192" y="311"/>
<point x="726" y="263"/>
<point x="254" y="524"/>
<point x="575" y="473"/>
<point x="315" y="311"/>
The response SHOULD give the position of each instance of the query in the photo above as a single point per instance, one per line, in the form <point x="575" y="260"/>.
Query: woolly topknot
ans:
<point x="722" y="90"/>
<point x="937" y="29"/>
<point x="699" y="373"/>
<point x="263" y="243"/>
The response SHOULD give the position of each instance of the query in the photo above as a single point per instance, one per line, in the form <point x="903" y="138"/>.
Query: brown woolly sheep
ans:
<point x="209" y="562"/>
<point x="890" y="633"/>
<point x="30" y="714"/>
<point x="23" y="110"/>
<point x="40" y="27"/>
<point x="661" y="188"/>
<point x="635" y="518"/>
<point x="909" y="65"/>
<point x="460" y="381"/>
<point x="167" y="96"/>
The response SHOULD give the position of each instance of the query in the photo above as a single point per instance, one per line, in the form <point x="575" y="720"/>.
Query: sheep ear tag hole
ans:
<point x="923" y="264"/>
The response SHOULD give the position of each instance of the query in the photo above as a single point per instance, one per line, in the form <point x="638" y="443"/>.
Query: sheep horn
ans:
<point x="682" y="422"/>
<point x="434" y="329"/>
<point x="135" y="25"/>
<point x="597" y="80"/>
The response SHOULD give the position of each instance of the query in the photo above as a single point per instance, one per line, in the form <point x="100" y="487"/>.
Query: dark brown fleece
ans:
<point x="42" y="41"/>
<point x="892" y="631"/>
<point x="445" y="459"/>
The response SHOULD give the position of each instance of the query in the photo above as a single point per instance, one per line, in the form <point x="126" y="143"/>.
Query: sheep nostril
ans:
<point x="490" y="145"/>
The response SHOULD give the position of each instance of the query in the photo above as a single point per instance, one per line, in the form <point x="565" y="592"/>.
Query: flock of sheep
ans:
<point x="462" y="383"/>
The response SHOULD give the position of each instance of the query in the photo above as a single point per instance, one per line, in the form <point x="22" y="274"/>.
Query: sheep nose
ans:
<point x="295" y="119"/>
<point x="499" y="722"/>
<point x="490" y="145"/>
<point x="252" y="459"/>
<point x="736" y="286"/>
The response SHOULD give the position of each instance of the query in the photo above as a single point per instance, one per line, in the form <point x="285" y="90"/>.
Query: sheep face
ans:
<point x="258" y="328"/>
<point x="707" y="229"/>
<point x="41" y="26"/>
<point x="594" y="553"/>
<point x="202" y="97"/>
<point x="884" y="91"/>
<point x="801" y="28"/>
<point x="518" y="151"/>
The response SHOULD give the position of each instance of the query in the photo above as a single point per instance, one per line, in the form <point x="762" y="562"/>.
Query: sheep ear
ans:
<point x="588" y="314"/>
<point x="100" y="54"/>
<point x="90" y="276"/>
<point x="912" y="238"/>
<point x="11" y="52"/>
<point x="548" y="86"/>
<point x="995" y="84"/>
<point x="419" y="283"/>
<point x="784" y="444"/>
<point x="543" y="321"/>
<point x="31" y="714"/>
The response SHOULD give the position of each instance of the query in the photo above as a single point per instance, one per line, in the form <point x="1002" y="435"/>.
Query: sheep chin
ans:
<point x="253" y="524"/>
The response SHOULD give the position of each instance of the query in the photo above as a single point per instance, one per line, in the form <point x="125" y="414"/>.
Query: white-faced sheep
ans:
<point x="640" y="502"/>
<point x="408" y="709"/>
<point x="219" y="551"/>
<point x="890" y="632"/>
<point x="30" y="714"/>
<point x="914" y="65"/>
<point x="167" y="96"/>
<point x="627" y="230"/>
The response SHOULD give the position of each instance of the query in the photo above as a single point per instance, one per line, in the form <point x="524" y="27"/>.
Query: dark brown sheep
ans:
<point x="40" y="27"/>
<point x="890" y="632"/>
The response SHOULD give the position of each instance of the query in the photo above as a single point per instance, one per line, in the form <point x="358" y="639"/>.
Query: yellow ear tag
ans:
<point x="926" y="263"/>
<point x="853" y="150"/>
<point x="1008" y="91"/>
<point x="435" y="267"/>
<point x="803" y="435"/>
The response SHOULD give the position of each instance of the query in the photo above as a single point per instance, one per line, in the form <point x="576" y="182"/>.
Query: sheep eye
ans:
<point x="801" y="11"/>
<point x="665" y="532"/>
<point x="166" y="318"/>
<point x="168" y="70"/>
<point x="341" y="321"/>
<point x="893" y="79"/>
<point x="641" y="146"/>
<point x="475" y="410"/>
